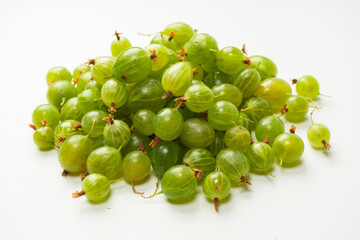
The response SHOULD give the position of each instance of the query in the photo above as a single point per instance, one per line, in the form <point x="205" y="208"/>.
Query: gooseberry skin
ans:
<point x="102" y="69"/>
<point x="218" y="144"/>
<point x="99" y="142"/>
<point x="132" y="65"/>
<point x="238" y="138"/>
<point x="47" y="112"/>
<point x="71" y="110"/>
<point x="89" y="100"/>
<point x="257" y="108"/>
<point x="80" y="70"/>
<point x="230" y="60"/>
<point x="136" y="166"/>
<point x="222" y="115"/>
<point x="96" y="187"/>
<point x="168" y="124"/>
<point x="244" y="121"/>
<point x="234" y="163"/>
<point x="105" y="160"/>
<point x="216" y="186"/>
<point x="217" y="77"/>
<point x="269" y="126"/>
<point x="199" y="98"/>
<point x="201" y="159"/>
<point x="265" y="66"/>
<point x="183" y="33"/>
<point x="197" y="133"/>
<point x="297" y="108"/>
<point x="92" y="84"/>
<point x="288" y="148"/>
<point x="58" y="73"/>
<point x="248" y="81"/>
<point x="44" y="138"/>
<point x="93" y="122"/>
<point x="261" y="157"/>
<point x="276" y="91"/>
<point x="308" y="87"/>
<point x="117" y="134"/>
<point x="198" y="72"/>
<point x="59" y="92"/>
<point x="178" y="182"/>
<point x="177" y="78"/>
<point x="163" y="39"/>
<point x="164" y="156"/>
<point x="113" y="92"/>
<point x="82" y="81"/>
<point x="201" y="49"/>
<point x="162" y="57"/>
<point x="74" y="152"/>
<point x="317" y="134"/>
<point x="227" y="92"/>
<point x="147" y="95"/>
<point x="119" y="45"/>
<point x="142" y="122"/>
<point x="66" y="129"/>
<point x="185" y="112"/>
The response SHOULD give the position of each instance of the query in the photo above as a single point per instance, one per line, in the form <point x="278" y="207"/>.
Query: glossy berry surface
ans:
<point x="96" y="187"/>
<point x="261" y="157"/>
<point x="238" y="138"/>
<point x="199" y="98"/>
<point x="308" y="87"/>
<point x="200" y="159"/>
<point x="46" y="112"/>
<point x="269" y="127"/>
<point x="288" y="148"/>
<point x="168" y="124"/>
<point x="296" y="109"/>
<point x="57" y="74"/>
<point x="230" y="60"/>
<point x="265" y="66"/>
<point x="136" y="166"/>
<point x="318" y="135"/>
<point x="197" y="133"/>
<point x="59" y="92"/>
<point x="222" y="115"/>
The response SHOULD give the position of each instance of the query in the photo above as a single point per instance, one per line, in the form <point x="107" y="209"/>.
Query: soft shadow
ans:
<point x="183" y="201"/>
<point x="292" y="165"/>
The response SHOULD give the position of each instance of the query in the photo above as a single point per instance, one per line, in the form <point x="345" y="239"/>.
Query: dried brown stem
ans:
<point x="112" y="108"/>
<point x="284" y="110"/>
<point x="33" y="126"/>
<point x="216" y="204"/>
<point x="245" y="179"/>
<point x="154" y="142"/>
<point x="247" y="61"/>
<point x="117" y="35"/>
<point x="109" y="119"/>
<point x="267" y="140"/>
<point x="78" y="194"/>
<point x="133" y="188"/>
<point x="64" y="173"/>
<point x="292" y="129"/>
<point x="167" y="95"/>
<point x="142" y="148"/>
<point x="172" y="35"/>
<point x="326" y="145"/>
<point x="76" y="126"/>
<point x="244" y="50"/>
<point x="83" y="175"/>
<point x="294" y="81"/>
<point x="198" y="173"/>
<point x="153" y="55"/>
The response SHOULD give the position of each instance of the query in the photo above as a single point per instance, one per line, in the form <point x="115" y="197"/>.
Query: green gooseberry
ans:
<point x="276" y="91"/>
<point x="227" y="92"/>
<point x="235" y="164"/>
<point x="308" y="87"/>
<point x="177" y="78"/>
<point x="89" y="100"/>
<point x="164" y="156"/>
<point x="48" y="113"/>
<point x="102" y="69"/>
<point x="179" y="32"/>
<point x="132" y="65"/>
<point x="178" y="183"/>
<point x="198" y="72"/>
<point x="269" y="128"/>
<point x="295" y="108"/>
<point x="57" y="74"/>
<point x="43" y="137"/>
<point x="95" y="187"/>
<point x="230" y="60"/>
<point x="168" y="124"/>
<point x="66" y="129"/>
<point x="114" y="94"/>
<point x="222" y="115"/>
<point x="82" y="80"/>
<point x="105" y="160"/>
<point x="116" y="133"/>
<point x="261" y="157"/>
<point x="74" y="152"/>
<point x="248" y="81"/>
<point x="142" y="122"/>
<point x="238" y="138"/>
<point x="197" y="133"/>
<point x="201" y="161"/>
<point x="71" y="110"/>
<point x="257" y="108"/>
<point x="147" y="95"/>
<point x="160" y="57"/>
<point x="93" y="123"/>
<point x="119" y="44"/>
<point x="59" y="92"/>
<point x="92" y="84"/>
<point x="319" y="136"/>
<point x="244" y="121"/>
<point x="216" y="187"/>
<point x="164" y="39"/>
<point x="198" y="98"/>
<point x="185" y="112"/>
<point x="265" y="66"/>
<point x="201" y="49"/>
<point x="288" y="148"/>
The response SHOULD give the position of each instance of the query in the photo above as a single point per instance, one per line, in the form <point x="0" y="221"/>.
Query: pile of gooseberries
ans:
<point x="191" y="112"/>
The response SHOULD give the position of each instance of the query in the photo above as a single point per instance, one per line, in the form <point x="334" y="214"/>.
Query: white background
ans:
<point x="318" y="199"/>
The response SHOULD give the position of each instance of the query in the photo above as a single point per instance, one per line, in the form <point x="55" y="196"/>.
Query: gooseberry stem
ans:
<point x="78" y="194"/>
<point x="151" y="196"/>
<point x="216" y="204"/>
<point x="92" y="128"/>
<point x="315" y="108"/>
<point x="133" y="188"/>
